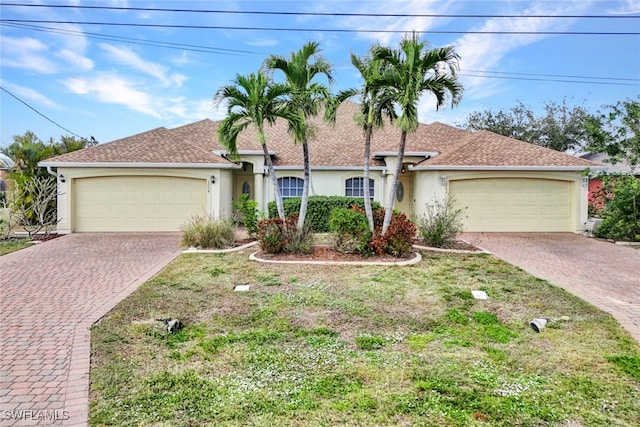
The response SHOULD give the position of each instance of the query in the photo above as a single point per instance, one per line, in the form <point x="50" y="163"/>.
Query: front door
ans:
<point x="404" y="194"/>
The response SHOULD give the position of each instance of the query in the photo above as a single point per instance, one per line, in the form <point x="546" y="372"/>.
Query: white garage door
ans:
<point x="137" y="203"/>
<point x="534" y="205"/>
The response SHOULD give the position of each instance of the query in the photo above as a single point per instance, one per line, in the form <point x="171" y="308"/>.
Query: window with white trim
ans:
<point x="290" y="186"/>
<point x="354" y="187"/>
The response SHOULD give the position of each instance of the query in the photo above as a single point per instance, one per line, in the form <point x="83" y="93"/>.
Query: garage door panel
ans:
<point x="513" y="204"/>
<point x="132" y="203"/>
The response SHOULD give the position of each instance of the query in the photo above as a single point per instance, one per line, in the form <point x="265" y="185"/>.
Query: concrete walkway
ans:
<point x="602" y="273"/>
<point x="51" y="294"/>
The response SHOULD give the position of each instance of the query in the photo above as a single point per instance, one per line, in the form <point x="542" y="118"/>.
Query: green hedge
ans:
<point x="319" y="209"/>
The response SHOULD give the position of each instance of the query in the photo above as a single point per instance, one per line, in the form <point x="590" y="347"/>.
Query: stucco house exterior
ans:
<point x="156" y="180"/>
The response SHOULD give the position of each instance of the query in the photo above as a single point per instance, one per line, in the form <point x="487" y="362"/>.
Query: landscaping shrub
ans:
<point x="299" y="241"/>
<point x="441" y="223"/>
<point x="398" y="240"/>
<point x="206" y="232"/>
<point x="319" y="209"/>
<point x="277" y="237"/>
<point x="247" y="213"/>
<point x="621" y="216"/>
<point x="351" y="231"/>
<point x="271" y="235"/>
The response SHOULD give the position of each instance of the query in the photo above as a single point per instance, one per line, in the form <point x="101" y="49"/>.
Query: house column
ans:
<point x="258" y="193"/>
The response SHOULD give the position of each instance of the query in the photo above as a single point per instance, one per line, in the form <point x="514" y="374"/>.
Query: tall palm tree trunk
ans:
<point x="305" y="188"/>
<point x="367" y="200"/>
<point x="394" y="184"/>
<point x="274" y="180"/>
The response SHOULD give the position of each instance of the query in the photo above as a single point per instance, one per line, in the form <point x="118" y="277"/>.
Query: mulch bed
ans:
<point x="43" y="238"/>
<point x="327" y="253"/>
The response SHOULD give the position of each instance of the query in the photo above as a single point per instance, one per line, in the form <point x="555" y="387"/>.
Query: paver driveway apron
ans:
<point x="604" y="274"/>
<point x="51" y="294"/>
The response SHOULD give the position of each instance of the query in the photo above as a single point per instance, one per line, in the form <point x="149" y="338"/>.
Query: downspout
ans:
<point x="51" y="172"/>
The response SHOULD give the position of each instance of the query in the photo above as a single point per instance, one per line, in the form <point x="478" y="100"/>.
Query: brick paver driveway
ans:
<point x="51" y="294"/>
<point x="604" y="274"/>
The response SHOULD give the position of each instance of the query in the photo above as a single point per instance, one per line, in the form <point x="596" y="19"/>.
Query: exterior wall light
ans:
<point x="585" y="181"/>
<point x="62" y="178"/>
<point x="443" y="180"/>
<point x="213" y="179"/>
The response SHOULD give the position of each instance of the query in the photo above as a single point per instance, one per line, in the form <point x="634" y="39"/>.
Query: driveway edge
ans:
<point x="78" y="382"/>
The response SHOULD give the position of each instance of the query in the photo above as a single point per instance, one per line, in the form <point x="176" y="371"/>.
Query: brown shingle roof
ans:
<point x="337" y="145"/>
<point x="484" y="148"/>
<point x="155" y="146"/>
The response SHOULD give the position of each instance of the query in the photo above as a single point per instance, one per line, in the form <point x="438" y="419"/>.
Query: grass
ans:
<point x="11" y="245"/>
<point x="344" y="345"/>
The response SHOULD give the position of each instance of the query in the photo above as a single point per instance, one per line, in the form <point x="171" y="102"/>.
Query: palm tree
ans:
<point x="376" y="104"/>
<point x="412" y="70"/>
<point x="254" y="100"/>
<point x="306" y="98"/>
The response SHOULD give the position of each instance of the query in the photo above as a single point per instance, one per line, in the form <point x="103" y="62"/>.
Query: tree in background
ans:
<point x="561" y="128"/>
<point x="306" y="98"/>
<point x="616" y="132"/>
<point x="30" y="181"/>
<point x="411" y="71"/>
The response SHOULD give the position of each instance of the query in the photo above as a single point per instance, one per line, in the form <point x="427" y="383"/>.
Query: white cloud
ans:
<point x="112" y="89"/>
<point x="30" y="94"/>
<point x="264" y="43"/>
<point x="629" y="7"/>
<point x="488" y="51"/>
<point x="26" y="53"/>
<point x="126" y="56"/>
<point x="388" y="25"/>
<point x="181" y="60"/>
<point x="79" y="62"/>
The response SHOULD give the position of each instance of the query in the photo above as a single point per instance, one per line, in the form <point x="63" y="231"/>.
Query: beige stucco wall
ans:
<point x="426" y="185"/>
<point x="327" y="182"/>
<point x="218" y="194"/>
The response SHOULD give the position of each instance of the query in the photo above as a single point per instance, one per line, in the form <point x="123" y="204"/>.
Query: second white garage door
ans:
<point x="510" y="204"/>
<point x="137" y="203"/>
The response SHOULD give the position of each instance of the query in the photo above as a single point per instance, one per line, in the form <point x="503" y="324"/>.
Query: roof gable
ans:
<point x="157" y="146"/>
<point x="484" y="148"/>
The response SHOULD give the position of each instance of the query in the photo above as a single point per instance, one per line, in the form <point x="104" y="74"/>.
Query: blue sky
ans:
<point x="112" y="81"/>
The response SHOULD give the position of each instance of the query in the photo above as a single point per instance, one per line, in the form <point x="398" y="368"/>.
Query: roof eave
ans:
<point x="225" y="153"/>
<point x="343" y="168"/>
<point x="139" y="165"/>
<point x="504" y="168"/>
<point x="425" y="154"/>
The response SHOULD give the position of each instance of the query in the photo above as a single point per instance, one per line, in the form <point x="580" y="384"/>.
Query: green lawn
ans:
<point x="359" y="346"/>
<point x="11" y="245"/>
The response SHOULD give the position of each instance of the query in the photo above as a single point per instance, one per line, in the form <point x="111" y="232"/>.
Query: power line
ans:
<point x="325" y="30"/>
<point x="38" y="112"/>
<point x="547" y="80"/>
<point x="208" y="49"/>
<point x="368" y="15"/>
<point x="143" y="42"/>
<point x="554" y="75"/>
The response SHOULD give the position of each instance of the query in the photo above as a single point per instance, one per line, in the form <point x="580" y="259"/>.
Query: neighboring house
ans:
<point x="595" y="197"/>
<point x="6" y="164"/>
<point x="155" y="180"/>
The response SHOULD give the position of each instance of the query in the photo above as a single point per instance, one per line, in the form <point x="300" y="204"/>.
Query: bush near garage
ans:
<point x="621" y="216"/>
<point x="206" y="232"/>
